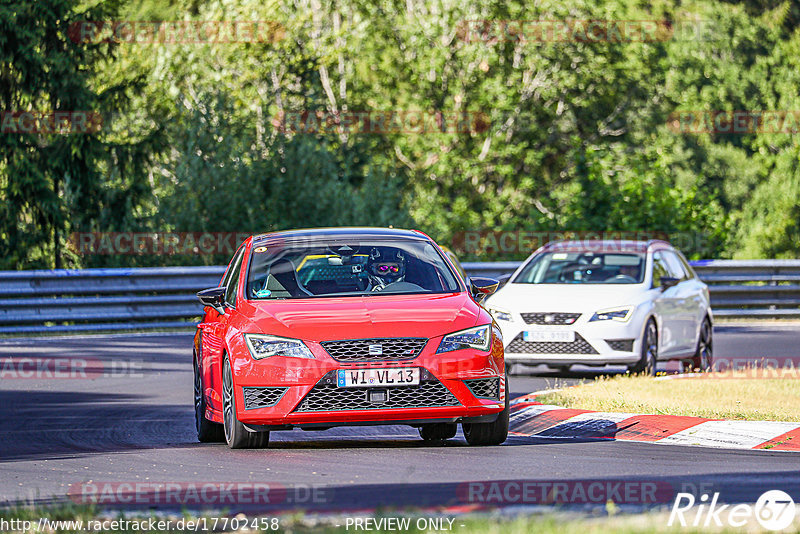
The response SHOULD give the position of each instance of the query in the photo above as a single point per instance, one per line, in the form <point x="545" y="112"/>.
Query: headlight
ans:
<point x="500" y="315"/>
<point x="621" y="314"/>
<point x="264" y="346"/>
<point x="479" y="338"/>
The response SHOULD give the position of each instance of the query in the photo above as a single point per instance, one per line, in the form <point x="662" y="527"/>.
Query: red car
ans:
<point x="319" y="328"/>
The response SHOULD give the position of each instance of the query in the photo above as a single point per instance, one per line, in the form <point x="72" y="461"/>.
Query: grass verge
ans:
<point x="714" y="398"/>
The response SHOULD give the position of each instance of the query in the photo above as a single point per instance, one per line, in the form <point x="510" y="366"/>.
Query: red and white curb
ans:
<point x="532" y="419"/>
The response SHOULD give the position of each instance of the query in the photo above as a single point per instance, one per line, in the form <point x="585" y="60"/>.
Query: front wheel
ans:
<point x="649" y="354"/>
<point x="207" y="431"/>
<point x="236" y="435"/>
<point x="704" y="355"/>
<point x="493" y="433"/>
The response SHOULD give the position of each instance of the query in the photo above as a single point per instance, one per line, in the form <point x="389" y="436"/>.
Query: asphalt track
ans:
<point x="56" y="434"/>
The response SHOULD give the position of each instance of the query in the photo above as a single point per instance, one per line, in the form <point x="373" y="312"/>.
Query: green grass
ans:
<point x="714" y="398"/>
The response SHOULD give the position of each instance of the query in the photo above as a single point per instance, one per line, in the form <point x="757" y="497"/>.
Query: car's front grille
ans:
<point x="550" y="318"/>
<point x="624" y="345"/>
<point x="485" y="388"/>
<point x="579" y="346"/>
<point x="262" y="397"/>
<point x="375" y="350"/>
<point x="330" y="398"/>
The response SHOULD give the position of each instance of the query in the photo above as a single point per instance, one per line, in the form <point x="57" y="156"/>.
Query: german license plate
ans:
<point x="359" y="378"/>
<point x="549" y="335"/>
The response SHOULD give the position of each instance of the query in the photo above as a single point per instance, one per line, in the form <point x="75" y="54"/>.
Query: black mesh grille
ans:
<point x="330" y="398"/>
<point x="625" y="345"/>
<point x="579" y="346"/>
<point x="262" y="397"/>
<point x="358" y="350"/>
<point x="554" y="318"/>
<point x="485" y="388"/>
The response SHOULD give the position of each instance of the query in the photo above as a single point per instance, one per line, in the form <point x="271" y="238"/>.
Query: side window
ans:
<point x="231" y="266"/>
<point x="660" y="269"/>
<point x="674" y="265"/>
<point x="686" y="267"/>
<point x="233" y="281"/>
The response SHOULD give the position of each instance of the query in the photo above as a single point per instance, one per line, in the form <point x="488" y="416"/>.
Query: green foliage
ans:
<point x="578" y="138"/>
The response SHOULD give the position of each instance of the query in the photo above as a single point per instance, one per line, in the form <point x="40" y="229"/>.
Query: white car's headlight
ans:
<point x="621" y="314"/>
<point x="500" y="315"/>
<point x="263" y="346"/>
<point x="479" y="338"/>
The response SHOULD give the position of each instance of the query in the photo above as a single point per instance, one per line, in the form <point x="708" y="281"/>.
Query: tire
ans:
<point x="649" y="355"/>
<point x="438" y="431"/>
<point x="493" y="433"/>
<point x="703" y="358"/>
<point x="236" y="435"/>
<point x="207" y="431"/>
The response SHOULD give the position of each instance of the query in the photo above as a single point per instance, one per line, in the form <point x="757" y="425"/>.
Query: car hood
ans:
<point x="521" y="298"/>
<point x="322" y="319"/>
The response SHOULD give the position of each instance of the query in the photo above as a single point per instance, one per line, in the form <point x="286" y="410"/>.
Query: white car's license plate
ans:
<point x="357" y="378"/>
<point x="549" y="335"/>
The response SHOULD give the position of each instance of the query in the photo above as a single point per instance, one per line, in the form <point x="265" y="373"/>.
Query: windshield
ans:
<point x="583" y="267"/>
<point x="342" y="268"/>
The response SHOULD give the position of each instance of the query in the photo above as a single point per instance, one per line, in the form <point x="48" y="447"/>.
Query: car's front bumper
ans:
<point x="310" y="398"/>
<point x="596" y="343"/>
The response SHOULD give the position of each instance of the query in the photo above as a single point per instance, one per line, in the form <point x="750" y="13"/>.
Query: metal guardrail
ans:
<point x="33" y="302"/>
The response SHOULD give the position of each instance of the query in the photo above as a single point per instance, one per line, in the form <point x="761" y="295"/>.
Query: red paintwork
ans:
<point x="321" y="319"/>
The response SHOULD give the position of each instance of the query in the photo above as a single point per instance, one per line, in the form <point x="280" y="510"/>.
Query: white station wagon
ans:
<point x="596" y="303"/>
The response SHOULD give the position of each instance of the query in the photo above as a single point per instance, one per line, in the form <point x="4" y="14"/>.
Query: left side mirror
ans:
<point x="214" y="297"/>
<point x="480" y="288"/>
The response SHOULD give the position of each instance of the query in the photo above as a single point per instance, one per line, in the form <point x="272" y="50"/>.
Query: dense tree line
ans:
<point x="534" y="134"/>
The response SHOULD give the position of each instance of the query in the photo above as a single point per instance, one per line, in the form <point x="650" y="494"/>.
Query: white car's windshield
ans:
<point x="583" y="267"/>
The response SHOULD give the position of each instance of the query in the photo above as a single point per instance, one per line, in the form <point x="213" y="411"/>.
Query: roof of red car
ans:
<point x="339" y="232"/>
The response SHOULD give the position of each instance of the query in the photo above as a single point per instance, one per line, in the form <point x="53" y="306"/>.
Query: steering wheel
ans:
<point x="399" y="285"/>
<point x="620" y="278"/>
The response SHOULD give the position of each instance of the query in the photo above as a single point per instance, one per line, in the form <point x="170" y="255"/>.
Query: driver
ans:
<point x="631" y="271"/>
<point x="384" y="269"/>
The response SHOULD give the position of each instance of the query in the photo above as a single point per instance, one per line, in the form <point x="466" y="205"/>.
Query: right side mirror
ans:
<point x="668" y="282"/>
<point x="503" y="279"/>
<point x="214" y="297"/>
<point x="480" y="287"/>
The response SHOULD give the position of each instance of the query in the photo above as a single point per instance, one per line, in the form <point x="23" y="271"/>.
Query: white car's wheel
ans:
<point x="649" y="354"/>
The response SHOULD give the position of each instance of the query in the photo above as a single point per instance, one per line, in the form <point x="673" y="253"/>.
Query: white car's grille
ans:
<point x="550" y="318"/>
<point x="579" y="346"/>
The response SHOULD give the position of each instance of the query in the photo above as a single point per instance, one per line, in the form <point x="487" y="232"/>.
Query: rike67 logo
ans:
<point x="774" y="510"/>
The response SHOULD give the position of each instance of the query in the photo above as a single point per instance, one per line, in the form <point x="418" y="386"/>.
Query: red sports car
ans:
<point x="319" y="328"/>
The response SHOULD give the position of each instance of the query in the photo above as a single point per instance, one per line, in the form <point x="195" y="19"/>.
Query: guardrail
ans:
<point x="34" y="302"/>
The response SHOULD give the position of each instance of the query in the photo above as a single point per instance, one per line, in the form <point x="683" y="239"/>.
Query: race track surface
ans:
<point x="59" y="436"/>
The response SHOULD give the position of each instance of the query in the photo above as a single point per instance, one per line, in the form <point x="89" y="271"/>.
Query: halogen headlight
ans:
<point x="621" y="314"/>
<point x="500" y="315"/>
<point x="479" y="338"/>
<point x="264" y="346"/>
